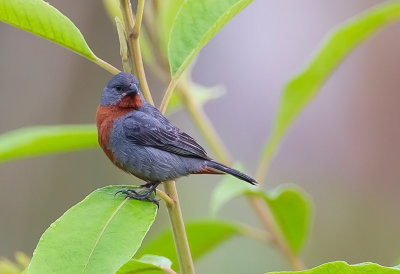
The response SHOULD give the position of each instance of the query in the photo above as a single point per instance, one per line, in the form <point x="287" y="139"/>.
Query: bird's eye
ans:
<point x="118" y="88"/>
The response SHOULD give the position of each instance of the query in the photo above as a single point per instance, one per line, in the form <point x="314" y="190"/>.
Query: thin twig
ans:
<point x="168" y="94"/>
<point x="165" y="197"/>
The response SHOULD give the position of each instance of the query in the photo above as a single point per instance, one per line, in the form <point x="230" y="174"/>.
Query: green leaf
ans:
<point x="33" y="141"/>
<point x="167" y="13"/>
<point x="201" y="94"/>
<point x="301" y="89"/>
<point x="195" y="24"/>
<point x="292" y="210"/>
<point x="345" y="268"/>
<point x="42" y="19"/>
<point x="98" y="235"/>
<point x="203" y="236"/>
<point x="146" y="264"/>
<point x="290" y="206"/>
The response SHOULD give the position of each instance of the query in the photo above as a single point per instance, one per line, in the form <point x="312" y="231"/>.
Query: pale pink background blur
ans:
<point x="343" y="150"/>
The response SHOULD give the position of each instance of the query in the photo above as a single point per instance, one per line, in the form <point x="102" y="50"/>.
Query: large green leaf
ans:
<point x="301" y="89"/>
<point x="194" y="25"/>
<point x="290" y="206"/>
<point x="42" y="19"/>
<point x="166" y="17"/>
<point x="33" y="141"/>
<point x="203" y="236"/>
<point x="344" y="268"/>
<point x="98" y="235"/>
<point x="149" y="264"/>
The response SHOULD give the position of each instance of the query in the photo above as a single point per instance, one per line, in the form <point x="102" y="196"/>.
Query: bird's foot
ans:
<point x="142" y="195"/>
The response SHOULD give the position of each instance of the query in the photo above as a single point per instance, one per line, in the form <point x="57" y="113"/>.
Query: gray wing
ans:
<point x="143" y="129"/>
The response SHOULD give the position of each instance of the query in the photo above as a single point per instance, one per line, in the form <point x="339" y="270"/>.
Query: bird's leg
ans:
<point x="152" y="185"/>
<point x="131" y="193"/>
<point x="148" y="184"/>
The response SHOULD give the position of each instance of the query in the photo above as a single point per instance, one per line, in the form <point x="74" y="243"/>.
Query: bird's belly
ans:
<point x="152" y="164"/>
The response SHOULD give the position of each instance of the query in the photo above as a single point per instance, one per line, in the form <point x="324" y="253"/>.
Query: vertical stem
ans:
<point x="174" y="210"/>
<point x="178" y="229"/>
<point x="133" y="29"/>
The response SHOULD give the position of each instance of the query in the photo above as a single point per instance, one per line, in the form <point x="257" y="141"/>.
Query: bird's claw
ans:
<point x="133" y="194"/>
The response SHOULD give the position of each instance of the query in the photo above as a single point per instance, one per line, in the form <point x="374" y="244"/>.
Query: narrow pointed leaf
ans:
<point x="195" y="24"/>
<point x="303" y="88"/>
<point x="203" y="236"/>
<point x="345" y="268"/>
<point x="147" y="264"/>
<point x="40" y="140"/>
<point x="98" y="235"/>
<point x="42" y="19"/>
<point x="290" y="206"/>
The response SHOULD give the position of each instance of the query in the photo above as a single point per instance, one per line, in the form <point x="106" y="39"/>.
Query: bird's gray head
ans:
<point x="121" y="85"/>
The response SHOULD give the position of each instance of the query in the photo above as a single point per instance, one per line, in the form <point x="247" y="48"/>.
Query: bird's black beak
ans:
<point x="133" y="90"/>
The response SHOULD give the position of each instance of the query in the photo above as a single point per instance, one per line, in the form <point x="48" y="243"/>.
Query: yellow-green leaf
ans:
<point x="42" y="19"/>
<point x="194" y="25"/>
<point x="40" y="140"/>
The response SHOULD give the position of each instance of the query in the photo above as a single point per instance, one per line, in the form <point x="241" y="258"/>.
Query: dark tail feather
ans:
<point x="233" y="172"/>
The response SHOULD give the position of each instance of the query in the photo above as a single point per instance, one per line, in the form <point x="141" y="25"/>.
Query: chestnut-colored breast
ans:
<point x="106" y="115"/>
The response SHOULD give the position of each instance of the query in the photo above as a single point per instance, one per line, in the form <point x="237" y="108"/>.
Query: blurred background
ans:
<point x="343" y="150"/>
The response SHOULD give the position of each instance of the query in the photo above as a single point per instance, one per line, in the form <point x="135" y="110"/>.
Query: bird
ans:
<point x="140" y="140"/>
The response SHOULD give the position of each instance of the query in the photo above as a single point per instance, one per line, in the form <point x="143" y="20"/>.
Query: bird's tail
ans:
<point x="224" y="169"/>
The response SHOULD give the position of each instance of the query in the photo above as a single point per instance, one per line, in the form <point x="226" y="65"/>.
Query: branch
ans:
<point x="133" y="31"/>
<point x="168" y="94"/>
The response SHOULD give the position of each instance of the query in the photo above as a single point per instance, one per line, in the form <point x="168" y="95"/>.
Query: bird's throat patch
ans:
<point x="134" y="102"/>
